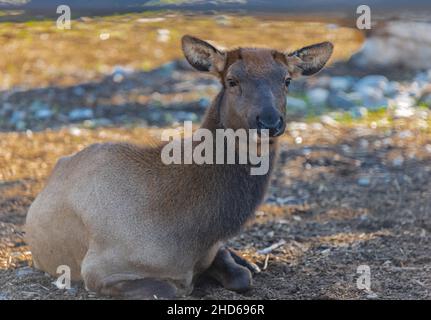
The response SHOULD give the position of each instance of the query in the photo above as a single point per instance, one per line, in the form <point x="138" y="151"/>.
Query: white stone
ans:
<point x="318" y="96"/>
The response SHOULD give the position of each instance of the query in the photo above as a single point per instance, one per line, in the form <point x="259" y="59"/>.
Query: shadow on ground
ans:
<point x="347" y="196"/>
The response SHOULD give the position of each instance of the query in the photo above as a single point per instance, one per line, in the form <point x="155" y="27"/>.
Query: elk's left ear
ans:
<point x="309" y="60"/>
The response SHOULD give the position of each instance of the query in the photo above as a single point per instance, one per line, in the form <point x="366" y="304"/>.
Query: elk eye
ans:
<point x="232" y="83"/>
<point x="287" y="82"/>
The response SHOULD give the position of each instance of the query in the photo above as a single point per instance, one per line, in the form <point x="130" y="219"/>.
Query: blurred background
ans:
<point x="352" y="186"/>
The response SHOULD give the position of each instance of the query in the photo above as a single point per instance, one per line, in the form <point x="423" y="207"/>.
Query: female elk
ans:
<point x="128" y="225"/>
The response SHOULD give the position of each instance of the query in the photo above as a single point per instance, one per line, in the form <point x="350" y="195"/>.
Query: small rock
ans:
<point x="364" y="181"/>
<point x="81" y="114"/>
<point x="328" y="120"/>
<point x="346" y="149"/>
<point x="117" y="78"/>
<point x="332" y="26"/>
<point x="372" y="295"/>
<point x="120" y="72"/>
<point x="37" y="105"/>
<point x="270" y="234"/>
<point x="405" y="134"/>
<point x="84" y="19"/>
<point x="104" y="36"/>
<point x="326" y="252"/>
<point x="295" y="104"/>
<point x="398" y="161"/>
<point x="5" y="109"/>
<point x="21" y="125"/>
<point x="359" y="112"/>
<point x="94" y="123"/>
<point x="74" y="131"/>
<point x="155" y="116"/>
<point x="422" y="77"/>
<point x="387" y="263"/>
<point x="102" y="122"/>
<point x="392" y="89"/>
<point x="150" y="20"/>
<point x="167" y="69"/>
<point x="416" y="89"/>
<point x="79" y="91"/>
<point x="374" y="81"/>
<point x="72" y="291"/>
<point x="43" y="114"/>
<point x="404" y="112"/>
<point x="223" y="20"/>
<point x="403" y="101"/>
<point x="290" y="201"/>
<point x="298" y="140"/>
<point x="295" y="125"/>
<point x="16" y="117"/>
<point x="341" y="100"/>
<point x="372" y="97"/>
<point x="363" y="143"/>
<point x="3" y="296"/>
<point x="25" y="272"/>
<point x="318" y="96"/>
<point x="340" y="83"/>
<point x="163" y="35"/>
<point x="204" y="103"/>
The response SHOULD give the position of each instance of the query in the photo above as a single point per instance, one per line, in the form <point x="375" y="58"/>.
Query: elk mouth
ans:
<point x="259" y="138"/>
<point x="273" y="129"/>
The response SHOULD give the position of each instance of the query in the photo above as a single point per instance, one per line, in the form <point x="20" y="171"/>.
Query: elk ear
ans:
<point x="309" y="60"/>
<point x="203" y="56"/>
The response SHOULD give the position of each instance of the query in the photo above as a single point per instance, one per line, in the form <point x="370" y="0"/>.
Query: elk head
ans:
<point x="255" y="80"/>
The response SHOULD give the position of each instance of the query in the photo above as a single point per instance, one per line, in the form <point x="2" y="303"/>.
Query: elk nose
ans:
<point x="275" y="127"/>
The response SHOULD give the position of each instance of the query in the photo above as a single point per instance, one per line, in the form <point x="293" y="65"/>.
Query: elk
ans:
<point x="130" y="226"/>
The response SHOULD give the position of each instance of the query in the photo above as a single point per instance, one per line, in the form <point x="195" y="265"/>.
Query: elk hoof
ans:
<point x="230" y="274"/>
<point x="141" y="289"/>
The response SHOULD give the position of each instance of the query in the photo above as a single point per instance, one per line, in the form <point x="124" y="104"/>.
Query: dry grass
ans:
<point x="339" y="225"/>
<point x="36" y="53"/>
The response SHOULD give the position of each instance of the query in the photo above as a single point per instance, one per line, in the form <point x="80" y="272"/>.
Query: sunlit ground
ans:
<point x="36" y="53"/>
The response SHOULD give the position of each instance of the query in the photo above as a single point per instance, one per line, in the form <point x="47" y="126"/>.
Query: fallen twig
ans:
<point x="272" y="247"/>
<point x="265" y="264"/>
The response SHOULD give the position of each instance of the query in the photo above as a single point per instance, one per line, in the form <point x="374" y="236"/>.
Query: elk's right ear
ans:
<point x="203" y="56"/>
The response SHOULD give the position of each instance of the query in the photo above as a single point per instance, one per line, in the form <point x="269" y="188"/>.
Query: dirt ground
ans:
<point x="343" y="195"/>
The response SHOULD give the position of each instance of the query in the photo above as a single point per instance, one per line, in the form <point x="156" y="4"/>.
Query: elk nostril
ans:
<point x="274" y="129"/>
<point x="260" y="124"/>
<point x="267" y="125"/>
<point x="280" y="124"/>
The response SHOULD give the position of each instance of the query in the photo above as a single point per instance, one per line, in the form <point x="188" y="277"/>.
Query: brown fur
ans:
<point x="129" y="225"/>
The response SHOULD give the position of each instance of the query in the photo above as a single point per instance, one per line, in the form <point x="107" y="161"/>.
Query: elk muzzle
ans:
<point x="271" y="121"/>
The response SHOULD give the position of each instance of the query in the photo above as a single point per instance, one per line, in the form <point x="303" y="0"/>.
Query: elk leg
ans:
<point x="230" y="274"/>
<point x="142" y="289"/>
